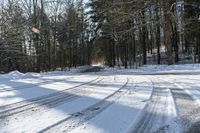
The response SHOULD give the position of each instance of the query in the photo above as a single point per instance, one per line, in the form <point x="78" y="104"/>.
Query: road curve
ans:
<point x="78" y="118"/>
<point x="158" y="113"/>
<point x="47" y="100"/>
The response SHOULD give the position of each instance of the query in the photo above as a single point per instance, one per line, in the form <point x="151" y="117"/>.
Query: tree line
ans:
<point x="45" y="35"/>
<point x="140" y="32"/>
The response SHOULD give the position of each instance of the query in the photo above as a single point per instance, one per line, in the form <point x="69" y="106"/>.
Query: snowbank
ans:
<point x="162" y="69"/>
<point x="11" y="75"/>
<point x="182" y="68"/>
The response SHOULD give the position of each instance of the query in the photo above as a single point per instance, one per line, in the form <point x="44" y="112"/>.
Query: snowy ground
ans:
<point x="151" y="99"/>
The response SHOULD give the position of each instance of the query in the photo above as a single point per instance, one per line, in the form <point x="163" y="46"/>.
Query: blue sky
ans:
<point x="86" y="1"/>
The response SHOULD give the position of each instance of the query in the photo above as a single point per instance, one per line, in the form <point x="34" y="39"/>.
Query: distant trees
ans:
<point x="12" y="39"/>
<point x="43" y="35"/>
<point x="134" y="30"/>
<point x="192" y="28"/>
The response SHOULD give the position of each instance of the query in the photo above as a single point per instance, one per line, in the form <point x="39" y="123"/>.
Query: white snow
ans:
<point x="120" y="115"/>
<point x="120" y="112"/>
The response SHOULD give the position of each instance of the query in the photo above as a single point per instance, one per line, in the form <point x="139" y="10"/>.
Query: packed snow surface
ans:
<point x="151" y="99"/>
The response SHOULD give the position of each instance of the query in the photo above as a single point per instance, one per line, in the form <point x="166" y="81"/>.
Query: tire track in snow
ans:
<point x="158" y="113"/>
<point x="192" y="88"/>
<point x="189" y="78"/>
<point x="188" y="109"/>
<point x="78" y="118"/>
<point x="50" y="99"/>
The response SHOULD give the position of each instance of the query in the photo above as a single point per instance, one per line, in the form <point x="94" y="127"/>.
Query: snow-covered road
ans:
<point x="112" y="101"/>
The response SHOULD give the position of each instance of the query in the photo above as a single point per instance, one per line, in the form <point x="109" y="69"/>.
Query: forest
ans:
<point x="46" y="35"/>
<point x="99" y="66"/>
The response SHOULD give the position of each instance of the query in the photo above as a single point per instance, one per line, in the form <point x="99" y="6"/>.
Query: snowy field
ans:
<point x="152" y="99"/>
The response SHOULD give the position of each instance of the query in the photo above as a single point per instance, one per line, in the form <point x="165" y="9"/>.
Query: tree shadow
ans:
<point x="36" y="93"/>
<point x="69" y="106"/>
